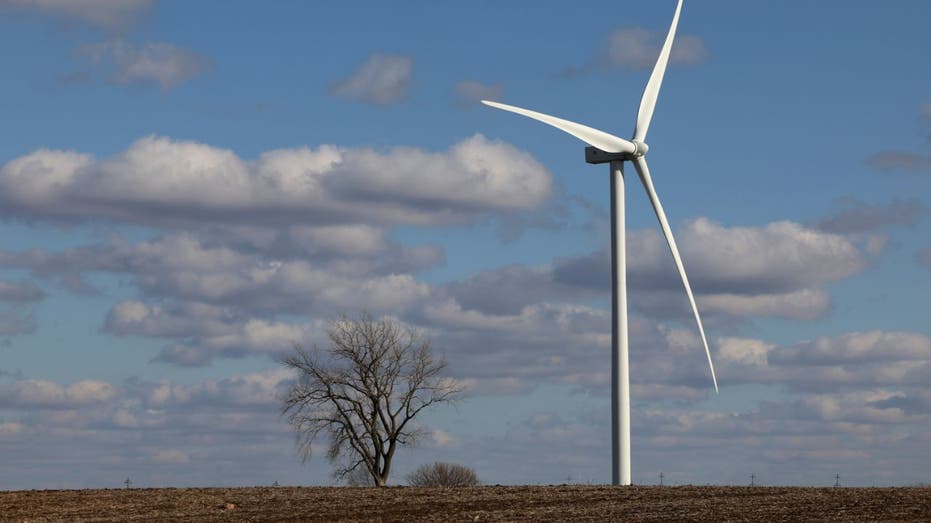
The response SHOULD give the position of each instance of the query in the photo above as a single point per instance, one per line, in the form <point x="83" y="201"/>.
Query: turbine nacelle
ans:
<point x="596" y="155"/>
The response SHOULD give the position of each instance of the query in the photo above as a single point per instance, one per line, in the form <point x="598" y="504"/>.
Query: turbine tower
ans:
<point x="607" y="148"/>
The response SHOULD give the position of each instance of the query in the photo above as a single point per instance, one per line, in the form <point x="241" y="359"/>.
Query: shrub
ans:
<point x="442" y="475"/>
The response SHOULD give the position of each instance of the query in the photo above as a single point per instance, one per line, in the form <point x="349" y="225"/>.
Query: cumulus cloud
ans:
<point x="112" y="15"/>
<point x="924" y="257"/>
<point x="778" y="270"/>
<point x="472" y="92"/>
<point x="161" y="432"/>
<point x="159" y="181"/>
<point x="775" y="270"/>
<point x="381" y="79"/>
<point x="11" y="428"/>
<point x="205" y="332"/>
<point x="13" y="323"/>
<point x="172" y="456"/>
<point x="805" y="304"/>
<point x="507" y="290"/>
<point x="859" y="347"/>
<point x="859" y="217"/>
<point x="207" y="299"/>
<point x="155" y="63"/>
<point x="636" y="48"/>
<point x="779" y="257"/>
<point x="252" y="390"/>
<point x="346" y="240"/>
<point x="23" y="292"/>
<point x="254" y="336"/>
<point x="859" y="360"/>
<point x="544" y="343"/>
<point x="891" y="161"/>
<point x="49" y="395"/>
<point x="233" y="420"/>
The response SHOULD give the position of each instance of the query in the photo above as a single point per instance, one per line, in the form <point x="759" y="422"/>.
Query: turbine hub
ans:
<point x="640" y="150"/>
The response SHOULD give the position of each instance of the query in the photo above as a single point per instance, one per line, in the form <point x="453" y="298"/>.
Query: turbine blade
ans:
<point x="651" y="93"/>
<point x="644" y="172"/>
<point x="600" y="139"/>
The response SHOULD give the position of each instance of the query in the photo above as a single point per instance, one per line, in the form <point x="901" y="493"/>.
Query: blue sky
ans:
<point x="186" y="189"/>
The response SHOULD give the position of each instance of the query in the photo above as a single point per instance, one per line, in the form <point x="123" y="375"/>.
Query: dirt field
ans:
<point x="575" y="503"/>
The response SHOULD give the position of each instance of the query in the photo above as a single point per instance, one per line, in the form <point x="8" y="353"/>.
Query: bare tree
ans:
<point x="442" y="475"/>
<point x="359" y="478"/>
<point x="363" y="391"/>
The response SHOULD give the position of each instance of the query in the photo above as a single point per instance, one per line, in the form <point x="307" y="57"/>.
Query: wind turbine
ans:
<point x="607" y="148"/>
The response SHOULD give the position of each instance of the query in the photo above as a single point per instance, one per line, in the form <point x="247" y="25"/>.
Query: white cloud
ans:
<point x="14" y="323"/>
<point x="257" y="389"/>
<point x="858" y="217"/>
<point x="50" y="395"/>
<point x="890" y="161"/>
<point x="443" y="439"/>
<point x="208" y="331"/>
<point x="345" y="240"/>
<point x="853" y="361"/>
<point x="859" y="347"/>
<point x="775" y="270"/>
<point x="776" y="258"/>
<point x="924" y="257"/>
<point x="37" y="179"/>
<point x="23" y="292"/>
<point x="859" y="407"/>
<point x="381" y="79"/>
<point x="185" y="427"/>
<point x="636" y="48"/>
<point x="11" y="428"/>
<point x="472" y="92"/>
<point x="170" y="456"/>
<point x="166" y="182"/>
<point x="209" y="300"/>
<point x="188" y="319"/>
<point x="153" y="63"/>
<point x="507" y="290"/>
<point x="779" y="256"/>
<point x="805" y="304"/>
<point x="113" y="15"/>
<point x="742" y="352"/>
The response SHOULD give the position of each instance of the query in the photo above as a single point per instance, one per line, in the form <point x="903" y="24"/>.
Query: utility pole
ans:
<point x="752" y="480"/>
<point x="661" y="479"/>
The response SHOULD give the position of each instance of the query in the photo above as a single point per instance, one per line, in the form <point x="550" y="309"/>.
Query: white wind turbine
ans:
<point x="606" y="148"/>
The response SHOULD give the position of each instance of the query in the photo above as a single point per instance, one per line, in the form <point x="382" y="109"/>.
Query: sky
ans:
<point x="188" y="189"/>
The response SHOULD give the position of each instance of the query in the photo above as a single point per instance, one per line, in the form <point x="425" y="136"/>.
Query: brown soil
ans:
<point x="556" y="503"/>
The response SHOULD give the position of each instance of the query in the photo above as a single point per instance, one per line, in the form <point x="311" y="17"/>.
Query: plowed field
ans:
<point x="554" y="503"/>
